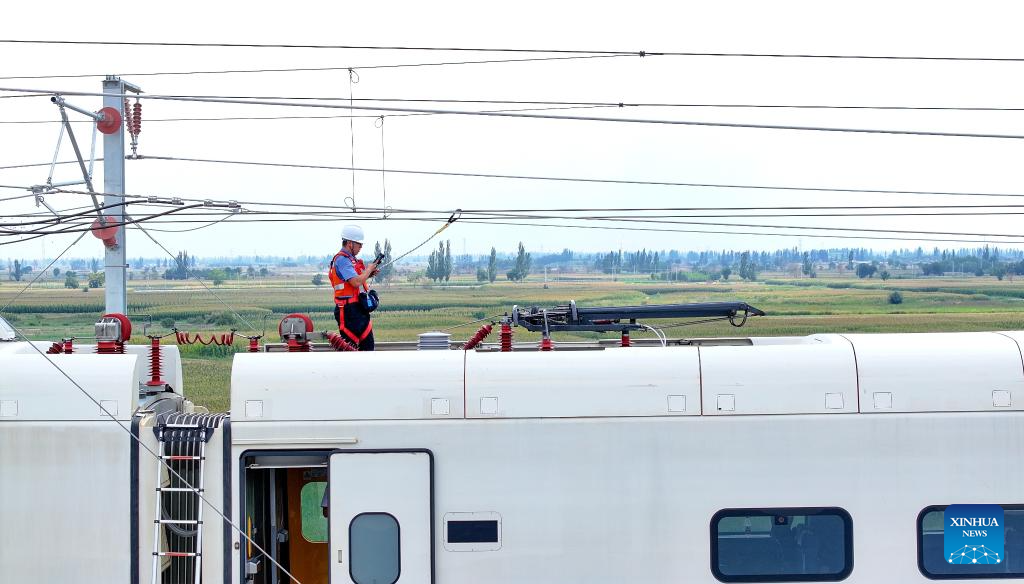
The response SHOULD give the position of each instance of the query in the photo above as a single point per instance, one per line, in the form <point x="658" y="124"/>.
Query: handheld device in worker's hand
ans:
<point x="379" y="259"/>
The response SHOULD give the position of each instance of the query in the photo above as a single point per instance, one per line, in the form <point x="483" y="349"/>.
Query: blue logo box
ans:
<point x="973" y="534"/>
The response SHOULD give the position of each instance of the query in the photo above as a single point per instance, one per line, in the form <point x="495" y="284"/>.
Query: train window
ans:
<point x="314" y="524"/>
<point x="472" y="532"/>
<point x="782" y="545"/>
<point x="476" y="531"/>
<point x="374" y="554"/>
<point x="931" y="554"/>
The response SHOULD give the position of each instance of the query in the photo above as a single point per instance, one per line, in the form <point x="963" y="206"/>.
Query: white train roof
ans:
<point x="32" y="389"/>
<point x="818" y="374"/>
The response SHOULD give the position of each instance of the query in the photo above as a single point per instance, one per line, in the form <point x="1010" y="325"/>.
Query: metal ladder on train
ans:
<point x="178" y="516"/>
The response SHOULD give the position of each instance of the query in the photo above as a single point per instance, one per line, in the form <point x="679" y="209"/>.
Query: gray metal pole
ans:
<point x="115" y="260"/>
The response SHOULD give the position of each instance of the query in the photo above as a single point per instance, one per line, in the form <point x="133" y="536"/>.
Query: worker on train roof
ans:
<point x="353" y="299"/>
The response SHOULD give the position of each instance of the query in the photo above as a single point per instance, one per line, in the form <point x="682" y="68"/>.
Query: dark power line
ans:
<point x="586" y="180"/>
<point x="641" y="53"/>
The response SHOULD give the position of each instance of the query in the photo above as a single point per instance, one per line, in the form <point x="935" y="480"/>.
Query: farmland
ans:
<point x="794" y="306"/>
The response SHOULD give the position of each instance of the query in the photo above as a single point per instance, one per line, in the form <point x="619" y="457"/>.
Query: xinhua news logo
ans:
<point x="973" y="534"/>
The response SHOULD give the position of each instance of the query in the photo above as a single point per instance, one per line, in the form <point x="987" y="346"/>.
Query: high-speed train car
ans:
<point x="812" y="459"/>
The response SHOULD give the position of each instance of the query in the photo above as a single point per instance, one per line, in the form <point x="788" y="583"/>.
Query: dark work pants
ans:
<point x="356" y="321"/>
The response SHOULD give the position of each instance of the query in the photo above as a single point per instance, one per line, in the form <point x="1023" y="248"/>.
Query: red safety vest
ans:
<point x="344" y="292"/>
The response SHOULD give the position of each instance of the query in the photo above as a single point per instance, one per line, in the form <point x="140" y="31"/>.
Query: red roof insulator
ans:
<point x="546" y="344"/>
<point x="625" y="339"/>
<point x="478" y="337"/>
<point x="154" y="363"/>
<point x="254" y="344"/>
<point x="506" y="337"/>
<point x="55" y="349"/>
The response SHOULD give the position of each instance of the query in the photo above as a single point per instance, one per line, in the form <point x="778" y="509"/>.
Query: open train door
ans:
<point x="381" y="506"/>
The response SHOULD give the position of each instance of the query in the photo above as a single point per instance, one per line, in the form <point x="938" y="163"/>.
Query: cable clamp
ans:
<point x="643" y="53"/>
<point x="456" y="215"/>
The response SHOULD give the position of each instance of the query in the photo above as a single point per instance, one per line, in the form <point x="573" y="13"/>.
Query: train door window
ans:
<point x="374" y="557"/>
<point x="782" y="545"/>
<point x="314" y="523"/>
<point x="931" y="558"/>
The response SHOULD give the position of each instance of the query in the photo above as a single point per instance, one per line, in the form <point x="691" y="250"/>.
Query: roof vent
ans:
<point x="6" y="331"/>
<point x="434" y="340"/>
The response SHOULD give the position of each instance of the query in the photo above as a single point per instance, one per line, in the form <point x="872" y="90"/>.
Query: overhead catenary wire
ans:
<point x="200" y="280"/>
<point x="323" y="69"/>
<point x="548" y="102"/>
<point x="559" y="117"/>
<point x="335" y="117"/>
<point x="714" y="224"/>
<point x="553" y="51"/>
<point x="738" y="186"/>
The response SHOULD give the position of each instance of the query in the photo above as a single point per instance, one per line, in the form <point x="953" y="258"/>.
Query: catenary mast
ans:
<point x="115" y="259"/>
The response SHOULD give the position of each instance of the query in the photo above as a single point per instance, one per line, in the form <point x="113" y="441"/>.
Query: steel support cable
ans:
<point x="491" y="215"/>
<point x="500" y="220"/>
<point x="13" y="166"/>
<point x="60" y="218"/>
<point x="41" y="272"/>
<point x="642" y="53"/>
<point x="15" y="198"/>
<point x="46" y="212"/>
<point x="297" y="215"/>
<point x="714" y="224"/>
<point x="80" y="227"/>
<point x="338" y="117"/>
<point x="524" y="115"/>
<point x="584" y="179"/>
<point x="112" y="223"/>
<point x="144" y="446"/>
<point x="321" y="69"/>
<point x="722" y="232"/>
<point x="522" y="213"/>
<point x="198" y="279"/>
<point x="527" y="223"/>
<point x="541" y="103"/>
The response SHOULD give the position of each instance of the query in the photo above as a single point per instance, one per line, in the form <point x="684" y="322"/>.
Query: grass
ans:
<point x="795" y="307"/>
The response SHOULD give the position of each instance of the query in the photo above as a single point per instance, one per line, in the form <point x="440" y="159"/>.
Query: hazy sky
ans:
<point x="536" y="147"/>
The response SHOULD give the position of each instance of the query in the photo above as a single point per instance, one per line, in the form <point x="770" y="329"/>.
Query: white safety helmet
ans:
<point x="352" y="233"/>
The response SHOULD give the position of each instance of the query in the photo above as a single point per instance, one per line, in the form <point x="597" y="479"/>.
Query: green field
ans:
<point x="794" y="307"/>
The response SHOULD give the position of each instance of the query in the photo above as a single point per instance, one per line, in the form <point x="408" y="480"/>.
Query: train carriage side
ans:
<point x="820" y="458"/>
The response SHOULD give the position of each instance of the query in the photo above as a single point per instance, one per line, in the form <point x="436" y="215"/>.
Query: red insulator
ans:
<point x="111" y="121"/>
<point x="105" y="231"/>
<point x="478" y="337"/>
<point x="136" y="119"/>
<point x="68" y="346"/>
<point x="625" y="338"/>
<point x="110" y="347"/>
<point x="55" y="349"/>
<point x="546" y="344"/>
<point x="339" y="343"/>
<point x="154" y="363"/>
<point x="254" y="344"/>
<point x="506" y="337"/>
<point x="127" y="115"/>
<point x="295" y="346"/>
